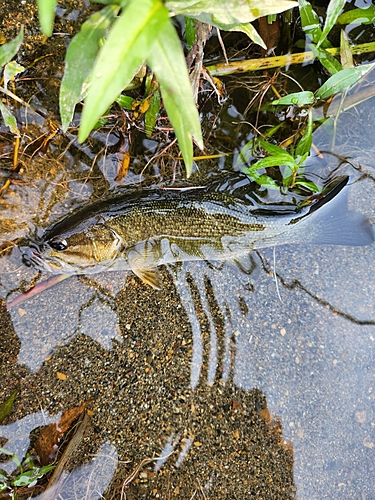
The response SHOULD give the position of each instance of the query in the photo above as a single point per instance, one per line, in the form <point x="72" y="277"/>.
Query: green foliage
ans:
<point x="342" y="80"/>
<point x="227" y="14"/>
<point x="11" y="69"/>
<point x="290" y="165"/>
<point x="311" y="26"/>
<point x="23" y="476"/>
<point x="190" y="32"/>
<point x="105" y="55"/>
<point x="358" y="16"/>
<point x="81" y="54"/>
<point x="153" y="96"/>
<point x="10" y="49"/>
<point x="138" y="28"/>
<point x="296" y="99"/>
<point x="333" y="11"/>
<point x="168" y="62"/>
<point x="46" y="9"/>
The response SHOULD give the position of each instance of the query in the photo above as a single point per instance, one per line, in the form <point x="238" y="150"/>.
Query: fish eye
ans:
<point x="58" y="244"/>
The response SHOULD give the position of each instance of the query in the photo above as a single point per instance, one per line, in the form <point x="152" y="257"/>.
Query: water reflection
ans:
<point x="216" y="440"/>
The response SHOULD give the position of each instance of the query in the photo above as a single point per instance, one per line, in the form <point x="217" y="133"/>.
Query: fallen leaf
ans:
<point x="47" y="445"/>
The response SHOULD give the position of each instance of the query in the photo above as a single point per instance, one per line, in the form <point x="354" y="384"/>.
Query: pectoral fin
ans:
<point x="150" y="276"/>
<point x="144" y="268"/>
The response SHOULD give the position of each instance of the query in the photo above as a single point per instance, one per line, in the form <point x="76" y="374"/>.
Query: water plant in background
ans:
<point x="27" y="472"/>
<point x="25" y="475"/>
<point x="290" y="165"/>
<point x="344" y="75"/>
<point x="105" y="56"/>
<point x="9" y="70"/>
<point x="128" y="42"/>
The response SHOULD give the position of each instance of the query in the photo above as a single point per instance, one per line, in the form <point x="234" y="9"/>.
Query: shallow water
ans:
<point x="221" y="385"/>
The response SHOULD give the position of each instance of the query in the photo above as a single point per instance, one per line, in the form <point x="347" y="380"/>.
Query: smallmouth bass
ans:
<point x="143" y="230"/>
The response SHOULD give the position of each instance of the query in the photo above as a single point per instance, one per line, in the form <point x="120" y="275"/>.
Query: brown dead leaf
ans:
<point x="61" y="376"/>
<point x="123" y="166"/>
<point x="47" y="444"/>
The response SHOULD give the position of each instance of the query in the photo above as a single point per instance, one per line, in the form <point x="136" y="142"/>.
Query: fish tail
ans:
<point x="332" y="223"/>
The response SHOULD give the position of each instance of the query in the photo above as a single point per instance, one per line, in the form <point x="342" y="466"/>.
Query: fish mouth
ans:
<point x="31" y="256"/>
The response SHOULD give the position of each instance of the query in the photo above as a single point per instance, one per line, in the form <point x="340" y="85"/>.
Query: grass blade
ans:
<point x="138" y="27"/>
<point x="80" y="58"/>
<point x="168" y="63"/>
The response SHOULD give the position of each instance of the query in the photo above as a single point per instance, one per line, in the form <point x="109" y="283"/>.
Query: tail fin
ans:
<point x="332" y="223"/>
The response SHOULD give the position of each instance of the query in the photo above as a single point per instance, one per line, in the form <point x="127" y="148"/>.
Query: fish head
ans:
<point x="76" y="251"/>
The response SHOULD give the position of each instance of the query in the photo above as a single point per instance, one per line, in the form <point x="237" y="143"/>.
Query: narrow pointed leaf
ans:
<point x="10" y="49"/>
<point x="296" y="99"/>
<point x="80" y="58"/>
<point x="333" y="11"/>
<point x="275" y="150"/>
<point x="342" y="80"/>
<point x="358" y="16"/>
<point x="346" y="54"/>
<point x="129" y="43"/>
<point x="7" y="407"/>
<point x="310" y="23"/>
<point x="168" y="63"/>
<point x="272" y="161"/>
<point x="327" y="60"/>
<point x="305" y="142"/>
<point x="46" y="10"/>
<point x="151" y="115"/>
<point x="251" y="32"/>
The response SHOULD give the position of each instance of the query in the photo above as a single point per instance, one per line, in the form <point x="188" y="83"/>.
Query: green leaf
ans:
<point x="305" y="142"/>
<point x="264" y="180"/>
<point x="46" y="10"/>
<point x="168" y="63"/>
<point x="190" y="32"/>
<point x="261" y="179"/>
<point x="10" y="49"/>
<point x="30" y="476"/>
<point x="272" y="161"/>
<point x="308" y="185"/>
<point x="296" y="99"/>
<point x="7" y="406"/>
<point x="346" y="54"/>
<point x="333" y="11"/>
<point x="125" y="101"/>
<point x="358" y="16"/>
<point x="274" y="150"/>
<point x="225" y="14"/>
<point x="251" y="32"/>
<point x="342" y="80"/>
<point x="245" y="155"/>
<point x="310" y="22"/>
<point x="11" y="70"/>
<point x="129" y="43"/>
<point x="80" y="58"/>
<point x="12" y="456"/>
<point x="327" y="60"/>
<point x="151" y="115"/>
<point x="9" y="120"/>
